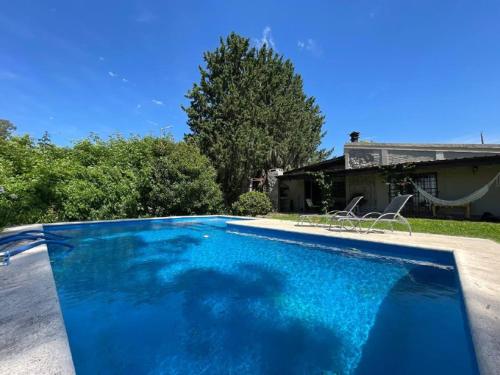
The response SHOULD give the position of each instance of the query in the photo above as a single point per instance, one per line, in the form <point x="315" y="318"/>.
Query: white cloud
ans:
<point x="157" y="102"/>
<point x="145" y="16"/>
<point x="7" y="75"/>
<point x="310" y="45"/>
<point x="115" y="75"/>
<point x="266" y="39"/>
<point x="138" y="106"/>
<point x="101" y="58"/>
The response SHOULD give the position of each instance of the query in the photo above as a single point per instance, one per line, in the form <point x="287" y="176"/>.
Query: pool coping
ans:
<point x="159" y="218"/>
<point x="33" y="337"/>
<point x="477" y="261"/>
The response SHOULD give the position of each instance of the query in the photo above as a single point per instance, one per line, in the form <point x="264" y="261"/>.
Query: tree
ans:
<point x="182" y="181"/>
<point x="249" y="113"/>
<point x="324" y="182"/>
<point x="103" y="179"/>
<point x="6" y="128"/>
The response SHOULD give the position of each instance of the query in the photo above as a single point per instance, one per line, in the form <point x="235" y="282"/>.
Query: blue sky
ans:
<point x="397" y="71"/>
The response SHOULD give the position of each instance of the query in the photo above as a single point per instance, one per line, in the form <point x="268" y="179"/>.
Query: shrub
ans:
<point x="103" y="179"/>
<point x="182" y="182"/>
<point x="252" y="203"/>
<point x="99" y="193"/>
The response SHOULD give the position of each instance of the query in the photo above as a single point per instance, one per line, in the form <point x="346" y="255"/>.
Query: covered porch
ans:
<point x="302" y="193"/>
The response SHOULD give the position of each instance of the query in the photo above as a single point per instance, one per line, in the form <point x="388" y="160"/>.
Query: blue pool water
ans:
<point x="191" y="296"/>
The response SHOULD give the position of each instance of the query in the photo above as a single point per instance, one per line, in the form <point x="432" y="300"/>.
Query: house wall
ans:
<point x="372" y="187"/>
<point x="452" y="182"/>
<point x="362" y="155"/>
<point x="458" y="182"/>
<point x="294" y="201"/>
<point x="273" y="186"/>
<point x="363" y="158"/>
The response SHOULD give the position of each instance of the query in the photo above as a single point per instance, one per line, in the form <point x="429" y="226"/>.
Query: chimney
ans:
<point x="354" y="137"/>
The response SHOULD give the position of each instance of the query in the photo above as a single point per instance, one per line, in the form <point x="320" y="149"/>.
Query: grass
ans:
<point x="448" y="227"/>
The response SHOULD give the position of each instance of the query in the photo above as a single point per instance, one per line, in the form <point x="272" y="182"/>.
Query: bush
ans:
<point x="252" y="203"/>
<point x="182" y="182"/>
<point x="103" y="179"/>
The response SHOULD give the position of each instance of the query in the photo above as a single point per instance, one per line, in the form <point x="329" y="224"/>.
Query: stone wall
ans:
<point x="405" y="156"/>
<point x="363" y="155"/>
<point x="460" y="155"/>
<point x="364" y="158"/>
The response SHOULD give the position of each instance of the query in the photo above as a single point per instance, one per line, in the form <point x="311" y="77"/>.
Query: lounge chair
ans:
<point x="311" y="206"/>
<point x="391" y="215"/>
<point x="332" y="215"/>
<point x="347" y="212"/>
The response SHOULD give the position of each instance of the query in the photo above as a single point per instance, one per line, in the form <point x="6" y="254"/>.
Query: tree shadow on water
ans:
<point x="201" y="320"/>
<point x="177" y="244"/>
<point x="125" y="267"/>
<point x="420" y="328"/>
<point x="233" y="320"/>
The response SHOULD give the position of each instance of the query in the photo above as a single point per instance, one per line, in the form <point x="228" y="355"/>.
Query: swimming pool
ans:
<point x="195" y="296"/>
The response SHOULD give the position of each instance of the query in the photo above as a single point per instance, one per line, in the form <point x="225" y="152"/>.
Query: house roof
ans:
<point x="477" y="160"/>
<point x="327" y="164"/>
<point x="492" y="147"/>
<point x="330" y="165"/>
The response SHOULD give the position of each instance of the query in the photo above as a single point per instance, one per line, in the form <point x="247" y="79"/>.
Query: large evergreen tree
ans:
<point x="250" y="113"/>
<point x="6" y="128"/>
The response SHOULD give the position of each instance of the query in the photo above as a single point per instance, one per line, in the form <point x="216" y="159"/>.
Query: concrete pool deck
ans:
<point x="33" y="338"/>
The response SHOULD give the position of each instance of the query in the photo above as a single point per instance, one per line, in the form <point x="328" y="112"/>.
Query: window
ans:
<point x="417" y="206"/>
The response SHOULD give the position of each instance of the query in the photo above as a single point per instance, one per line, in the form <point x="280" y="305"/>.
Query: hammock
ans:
<point x="478" y="194"/>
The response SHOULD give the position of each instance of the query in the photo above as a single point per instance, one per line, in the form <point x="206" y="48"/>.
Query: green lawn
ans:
<point x="448" y="227"/>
